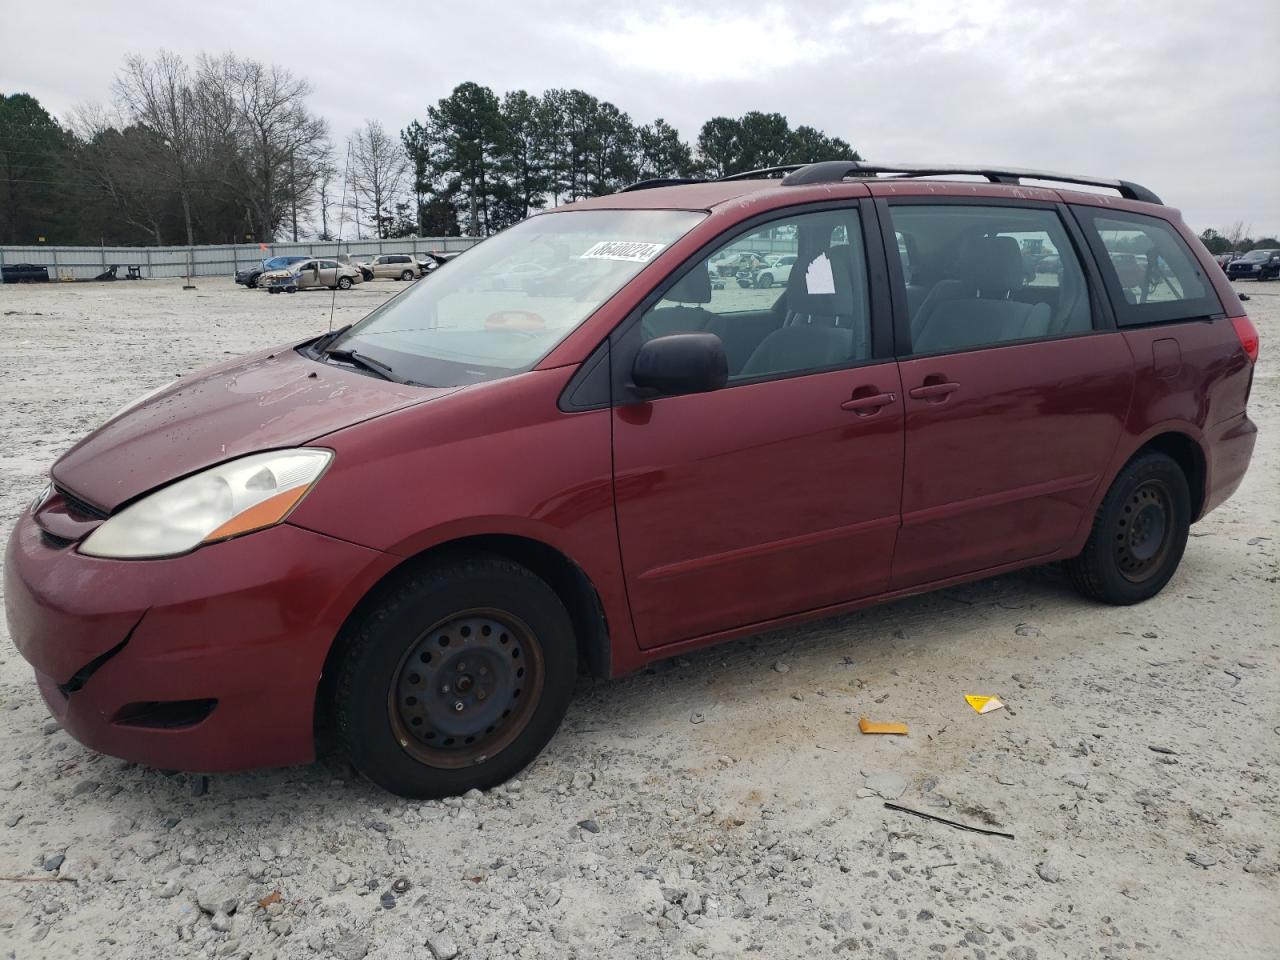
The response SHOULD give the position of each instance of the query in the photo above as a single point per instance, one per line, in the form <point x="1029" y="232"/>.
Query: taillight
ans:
<point x="1248" y="335"/>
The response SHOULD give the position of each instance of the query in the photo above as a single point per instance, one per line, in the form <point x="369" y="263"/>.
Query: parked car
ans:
<point x="1255" y="265"/>
<point x="775" y="269"/>
<point x="395" y="266"/>
<point x="310" y="274"/>
<point x="347" y="260"/>
<point x="731" y="262"/>
<point x="414" y="530"/>
<point x="251" y="276"/>
<point x="434" y="261"/>
<point x="24" y="273"/>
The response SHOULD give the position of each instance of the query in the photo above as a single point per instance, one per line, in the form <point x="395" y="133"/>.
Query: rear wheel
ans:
<point x="406" y="275"/>
<point x="764" y="281"/>
<point x="344" y="283"/>
<point x="1139" y="533"/>
<point x="456" y="678"/>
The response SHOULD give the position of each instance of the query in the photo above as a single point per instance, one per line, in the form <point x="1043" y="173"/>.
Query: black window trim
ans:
<point x="1129" y="315"/>
<point x="1102" y="318"/>
<point x="624" y="338"/>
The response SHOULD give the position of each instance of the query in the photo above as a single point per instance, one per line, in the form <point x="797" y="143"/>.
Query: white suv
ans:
<point x="776" y="269"/>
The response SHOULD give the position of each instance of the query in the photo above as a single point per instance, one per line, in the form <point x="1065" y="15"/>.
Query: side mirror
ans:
<point x="681" y="363"/>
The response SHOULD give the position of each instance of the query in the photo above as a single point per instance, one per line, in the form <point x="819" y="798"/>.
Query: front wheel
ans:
<point x="1139" y="533"/>
<point x="456" y="677"/>
<point x="764" y="281"/>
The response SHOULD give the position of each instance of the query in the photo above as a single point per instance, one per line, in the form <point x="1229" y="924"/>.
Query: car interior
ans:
<point x="974" y="276"/>
<point x="820" y="320"/>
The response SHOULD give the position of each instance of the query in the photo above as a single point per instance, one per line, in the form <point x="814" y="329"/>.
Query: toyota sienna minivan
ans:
<point x="415" y="530"/>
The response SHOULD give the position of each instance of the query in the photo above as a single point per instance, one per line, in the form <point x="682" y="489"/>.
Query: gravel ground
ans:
<point x="722" y="804"/>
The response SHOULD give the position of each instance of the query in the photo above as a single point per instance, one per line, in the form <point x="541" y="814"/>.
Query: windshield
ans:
<point x="1253" y="255"/>
<point x="500" y="308"/>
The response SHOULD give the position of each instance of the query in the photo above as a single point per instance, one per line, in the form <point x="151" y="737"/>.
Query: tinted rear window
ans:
<point x="1150" y="273"/>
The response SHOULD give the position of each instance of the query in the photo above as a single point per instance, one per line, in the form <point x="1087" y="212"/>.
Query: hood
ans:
<point x="265" y="402"/>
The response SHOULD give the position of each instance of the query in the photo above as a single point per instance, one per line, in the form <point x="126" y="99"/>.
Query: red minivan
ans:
<point x="572" y="447"/>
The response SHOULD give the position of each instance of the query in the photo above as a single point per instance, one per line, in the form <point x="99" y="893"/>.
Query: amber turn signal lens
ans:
<point x="268" y="512"/>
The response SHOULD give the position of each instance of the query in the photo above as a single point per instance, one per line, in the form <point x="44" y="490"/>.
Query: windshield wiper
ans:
<point x="370" y="364"/>
<point x="324" y="340"/>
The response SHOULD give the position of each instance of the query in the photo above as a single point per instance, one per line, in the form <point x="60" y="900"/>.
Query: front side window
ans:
<point x="500" y="308"/>
<point x="785" y="298"/>
<point x="980" y="276"/>
<point x="1150" y="272"/>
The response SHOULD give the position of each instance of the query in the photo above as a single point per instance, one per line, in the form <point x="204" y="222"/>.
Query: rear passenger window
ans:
<point x="979" y="276"/>
<point x="786" y="298"/>
<point x="1150" y="272"/>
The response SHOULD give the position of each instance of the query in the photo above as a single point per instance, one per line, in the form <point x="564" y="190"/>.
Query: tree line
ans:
<point x="1236" y="239"/>
<point x="228" y="149"/>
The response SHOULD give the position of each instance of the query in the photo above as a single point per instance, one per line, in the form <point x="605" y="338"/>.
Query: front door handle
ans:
<point x="933" y="392"/>
<point x="867" y="404"/>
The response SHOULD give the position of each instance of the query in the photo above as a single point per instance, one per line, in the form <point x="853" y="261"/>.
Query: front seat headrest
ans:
<point x="693" y="287"/>
<point x="991" y="267"/>
<point x="822" y="289"/>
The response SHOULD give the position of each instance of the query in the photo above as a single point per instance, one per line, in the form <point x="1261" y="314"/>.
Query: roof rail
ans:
<point x="833" y="171"/>
<point x="763" y="172"/>
<point x="660" y="182"/>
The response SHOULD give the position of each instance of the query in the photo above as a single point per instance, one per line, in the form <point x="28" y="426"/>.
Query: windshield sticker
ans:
<point x="818" y="278"/>
<point x="627" y="250"/>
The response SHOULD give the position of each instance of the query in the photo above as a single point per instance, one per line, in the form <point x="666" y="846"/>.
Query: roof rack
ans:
<point x="833" y="171"/>
<point x="660" y="182"/>
<point x="764" y="172"/>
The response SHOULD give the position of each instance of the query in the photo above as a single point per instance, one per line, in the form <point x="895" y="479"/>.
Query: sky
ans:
<point x="1180" y="95"/>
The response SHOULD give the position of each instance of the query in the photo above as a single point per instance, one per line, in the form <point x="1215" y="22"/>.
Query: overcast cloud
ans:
<point x="1176" y="95"/>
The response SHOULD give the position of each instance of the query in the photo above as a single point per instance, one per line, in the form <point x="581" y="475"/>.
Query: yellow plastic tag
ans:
<point x="983" y="704"/>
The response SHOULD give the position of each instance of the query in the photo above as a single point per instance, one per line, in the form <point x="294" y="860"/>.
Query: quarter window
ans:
<point x="979" y="276"/>
<point x="786" y="298"/>
<point x="1150" y="272"/>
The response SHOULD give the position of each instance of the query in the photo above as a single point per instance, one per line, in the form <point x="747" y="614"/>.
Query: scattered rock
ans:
<point x="1048" y="872"/>
<point x="442" y="947"/>
<point x="885" y="783"/>
<point x="53" y="862"/>
<point x="1027" y="630"/>
<point x="219" y="897"/>
<point x="589" y="825"/>
<point x="781" y="667"/>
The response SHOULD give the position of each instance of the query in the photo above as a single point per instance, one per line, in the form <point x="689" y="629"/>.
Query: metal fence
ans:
<point x="85" y="263"/>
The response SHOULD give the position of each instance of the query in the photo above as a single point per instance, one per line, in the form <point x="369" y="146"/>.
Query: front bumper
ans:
<point x="246" y="623"/>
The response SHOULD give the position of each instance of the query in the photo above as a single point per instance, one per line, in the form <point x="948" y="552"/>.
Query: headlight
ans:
<point x="224" y="501"/>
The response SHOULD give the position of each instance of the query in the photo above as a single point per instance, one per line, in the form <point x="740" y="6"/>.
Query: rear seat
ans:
<point x="977" y="306"/>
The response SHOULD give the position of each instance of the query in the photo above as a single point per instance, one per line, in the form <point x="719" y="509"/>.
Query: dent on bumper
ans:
<point x="247" y="623"/>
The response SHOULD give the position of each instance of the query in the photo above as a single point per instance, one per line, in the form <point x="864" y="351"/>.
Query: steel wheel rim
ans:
<point x="466" y="688"/>
<point x="1144" y="531"/>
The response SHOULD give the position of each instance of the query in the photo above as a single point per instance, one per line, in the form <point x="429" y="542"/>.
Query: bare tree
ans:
<point x="159" y="94"/>
<point x="118" y="162"/>
<point x="1237" y="235"/>
<point x="280" y="145"/>
<point x="378" y="169"/>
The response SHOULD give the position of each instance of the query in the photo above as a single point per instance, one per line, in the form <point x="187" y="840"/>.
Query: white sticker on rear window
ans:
<point x="628" y="250"/>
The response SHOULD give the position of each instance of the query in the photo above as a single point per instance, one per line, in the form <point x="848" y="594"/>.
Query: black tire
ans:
<point x="344" y="283"/>
<point x="413" y="639"/>
<point x="764" y="281"/>
<point x="290" y="289"/>
<point x="272" y="290"/>
<point x="252" y="284"/>
<point x="406" y="274"/>
<point x="1139" y="533"/>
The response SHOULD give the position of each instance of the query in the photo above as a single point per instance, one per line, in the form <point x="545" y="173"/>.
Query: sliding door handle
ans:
<point x="933" y="392"/>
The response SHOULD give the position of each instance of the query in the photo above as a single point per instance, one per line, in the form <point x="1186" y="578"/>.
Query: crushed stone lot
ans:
<point x="722" y="804"/>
